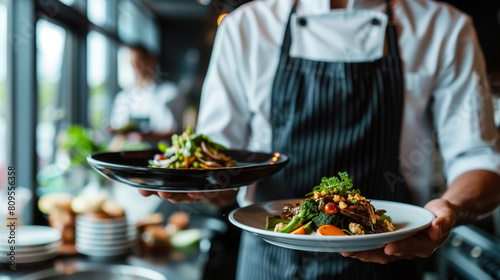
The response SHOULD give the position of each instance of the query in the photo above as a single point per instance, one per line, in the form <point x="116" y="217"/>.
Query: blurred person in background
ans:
<point x="150" y="111"/>
<point x="370" y="87"/>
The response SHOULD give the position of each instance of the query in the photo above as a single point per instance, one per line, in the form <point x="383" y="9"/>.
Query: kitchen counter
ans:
<point x="214" y="258"/>
<point x="186" y="264"/>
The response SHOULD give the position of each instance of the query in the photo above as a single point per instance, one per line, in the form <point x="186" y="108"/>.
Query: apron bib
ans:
<point x="331" y="117"/>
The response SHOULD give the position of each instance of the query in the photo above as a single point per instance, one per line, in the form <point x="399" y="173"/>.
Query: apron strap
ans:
<point x="389" y="11"/>
<point x="287" y="40"/>
<point x="391" y="34"/>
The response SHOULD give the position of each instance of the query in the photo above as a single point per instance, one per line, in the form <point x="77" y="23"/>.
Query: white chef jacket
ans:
<point x="163" y="104"/>
<point x="446" y="93"/>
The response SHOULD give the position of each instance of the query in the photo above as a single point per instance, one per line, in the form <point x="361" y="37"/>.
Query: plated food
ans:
<point x="407" y="219"/>
<point x="132" y="168"/>
<point x="332" y="208"/>
<point x="191" y="150"/>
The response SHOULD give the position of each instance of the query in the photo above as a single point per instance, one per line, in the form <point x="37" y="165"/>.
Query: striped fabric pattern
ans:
<point x="331" y="117"/>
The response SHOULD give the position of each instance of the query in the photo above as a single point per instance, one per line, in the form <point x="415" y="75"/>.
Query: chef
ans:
<point x="370" y="87"/>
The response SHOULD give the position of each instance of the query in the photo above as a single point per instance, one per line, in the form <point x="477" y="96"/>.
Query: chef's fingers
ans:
<point x="219" y="198"/>
<point x="147" y="193"/>
<point x="427" y="241"/>
<point x="420" y="245"/>
<point x="375" y="256"/>
<point x="446" y="218"/>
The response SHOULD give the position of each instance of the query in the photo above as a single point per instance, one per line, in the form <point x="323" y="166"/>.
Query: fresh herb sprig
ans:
<point x="341" y="185"/>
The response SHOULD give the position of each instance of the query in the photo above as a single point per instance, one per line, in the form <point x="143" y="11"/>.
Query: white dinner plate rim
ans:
<point x="31" y="248"/>
<point x="109" y="242"/>
<point x="103" y="253"/>
<point x="112" y="236"/>
<point x="33" y="254"/>
<point x="111" y="230"/>
<point x="36" y="258"/>
<point x="103" y="226"/>
<point x="104" y="248"/>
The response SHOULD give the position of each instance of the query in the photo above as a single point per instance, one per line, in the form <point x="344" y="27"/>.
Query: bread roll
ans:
<point x="47" y="203"/>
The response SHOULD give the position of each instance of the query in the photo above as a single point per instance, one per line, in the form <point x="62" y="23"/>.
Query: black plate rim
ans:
<point x="283" y="159"/>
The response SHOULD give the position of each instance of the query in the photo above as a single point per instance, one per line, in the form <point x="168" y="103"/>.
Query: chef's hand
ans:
<point x="218" y="198"/>
<point x="422" y="244"/>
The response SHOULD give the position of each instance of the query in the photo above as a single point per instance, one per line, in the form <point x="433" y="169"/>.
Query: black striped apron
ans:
<point x="331" y="117"/>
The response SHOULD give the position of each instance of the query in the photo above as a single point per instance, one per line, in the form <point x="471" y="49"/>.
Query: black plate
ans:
<point x="132" y="169"/>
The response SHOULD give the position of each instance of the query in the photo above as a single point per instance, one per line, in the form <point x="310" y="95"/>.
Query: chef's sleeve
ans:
<point x="462" y="105"/>
<point x="224" y="113"/>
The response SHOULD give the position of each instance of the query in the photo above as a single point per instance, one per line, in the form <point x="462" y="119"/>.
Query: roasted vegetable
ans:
<point x="308" y="209"/>
<point x="333" y="208"/>
<point x="191" y="150"/>
<point x="324" y="219"/>
<point x="304" y="229"/>
<point x="271" y="222"/>
<point x="330" y="230"/>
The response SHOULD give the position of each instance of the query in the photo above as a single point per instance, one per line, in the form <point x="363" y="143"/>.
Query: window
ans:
<point x="74" y="55"/>
<point x="137" y="26"/>
<point x="3" y="92"/>
<point x="68" y="2"/>
<point x="77" y="4"/>
<point x="97" y="12"/>
<point x="127" y="15"/>
<point x="97" y="46"/>
<point x="50" y="44"/>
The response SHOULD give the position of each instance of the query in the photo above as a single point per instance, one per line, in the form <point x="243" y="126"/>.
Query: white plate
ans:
<point x="105" y="238"/>
<point x="104" y="252"/>
<point x="408" y="220"/>
<point x="33" y="258"/>
<point x="102" y="248"/>
<point x="98" y="226"/>
<point x="103" y="242"/>
<point x="104" y="231"/>
<point x="30" y="236"/>
<point x="20" y="255"/>
<point x="33" y="249"/>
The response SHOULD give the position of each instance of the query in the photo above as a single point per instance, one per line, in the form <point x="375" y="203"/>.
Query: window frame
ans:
<point x="21" y="82"/>
<point x="21" y="86"/>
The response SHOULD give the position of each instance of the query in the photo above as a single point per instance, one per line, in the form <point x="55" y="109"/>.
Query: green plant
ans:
<point x="79" y="143"/>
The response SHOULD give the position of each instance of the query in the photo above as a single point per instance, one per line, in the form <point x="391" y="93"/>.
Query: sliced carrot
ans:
<point x="299" y="230"/>
<point x="188" y="161"/>
<point x="330" y="230"/>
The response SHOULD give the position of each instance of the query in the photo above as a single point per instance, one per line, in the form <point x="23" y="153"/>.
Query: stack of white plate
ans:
<point x="104" y="237"/>
<point x="27" y="244"/>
